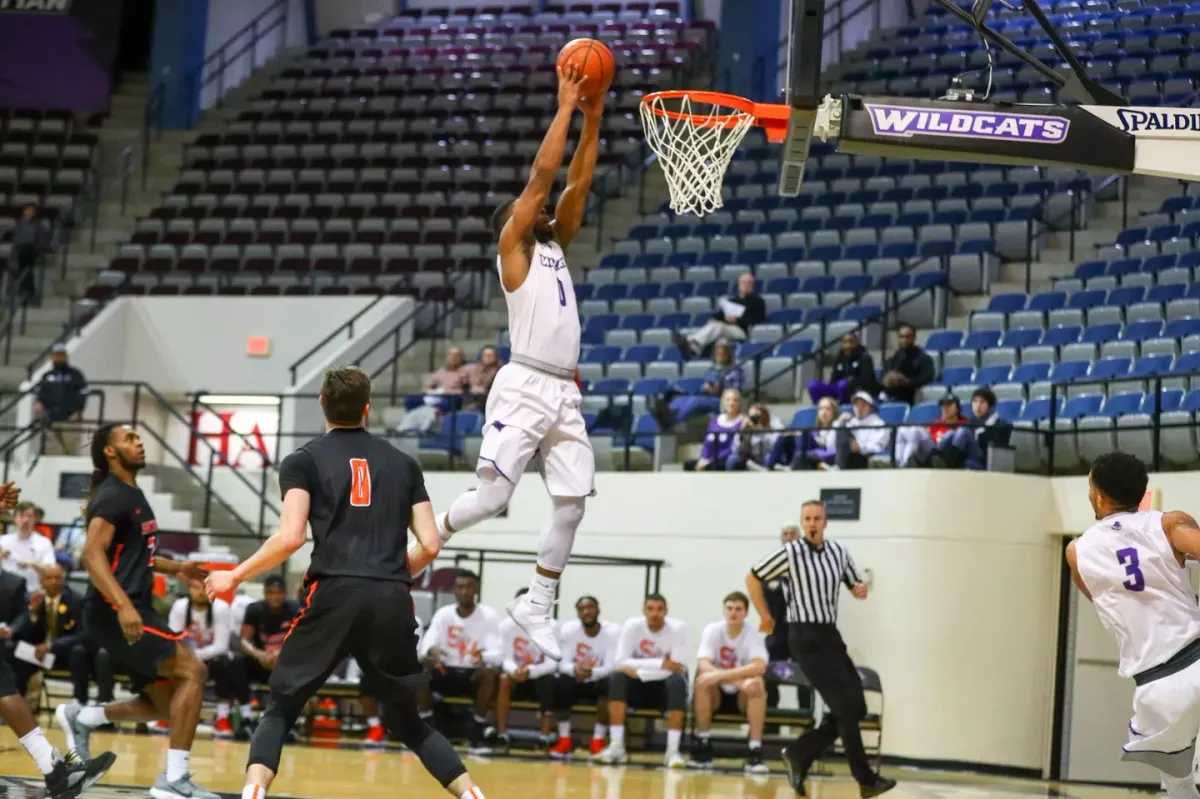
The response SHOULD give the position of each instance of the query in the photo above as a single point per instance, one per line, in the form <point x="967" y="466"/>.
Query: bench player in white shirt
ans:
<point x="533" y="407"/>
<point x="1131" y="564"/>
<point x="730" y="665"/>
<point x="589" y="653"/>
<point x="526" y="675"/>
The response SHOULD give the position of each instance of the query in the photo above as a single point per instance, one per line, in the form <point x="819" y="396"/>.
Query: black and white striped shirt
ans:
<point x="810" y="577"/>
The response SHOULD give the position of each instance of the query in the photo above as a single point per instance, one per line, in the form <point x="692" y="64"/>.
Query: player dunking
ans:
<point x="361" y="495"/>
<point x="534" y="404"/>
<point x="119" y="557"/>
<point x="64" y="780"/>
<point x="1131" y="564"/>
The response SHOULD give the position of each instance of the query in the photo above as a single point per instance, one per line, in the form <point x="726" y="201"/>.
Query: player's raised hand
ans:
<point x="219" y="583"/>
<point x="592" y="106"/>
<point x="570" y="86"/>
<point x="9" y="495"/>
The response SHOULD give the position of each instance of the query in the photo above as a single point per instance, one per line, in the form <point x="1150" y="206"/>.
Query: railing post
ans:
<point x="205" y="517"/>
<point x="1156" y="438"/>
<point x="1124" y="201"/>
<point x="395" y="355"/>
<point x="254" y="44"/>
<point x="1053" y="434"/>
<point x="1028" y="255"/>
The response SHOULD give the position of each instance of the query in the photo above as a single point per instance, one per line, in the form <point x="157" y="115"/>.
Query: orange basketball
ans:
<point x="594" y="59"/>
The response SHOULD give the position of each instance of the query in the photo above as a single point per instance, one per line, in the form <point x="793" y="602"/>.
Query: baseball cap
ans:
<point x="865" y="397"/>
<point x="949" y="397"/>
<point x="274" y="581"/>
<point x="59" y="348"/>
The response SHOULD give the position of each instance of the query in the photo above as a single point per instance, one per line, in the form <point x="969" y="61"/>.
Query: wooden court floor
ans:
<point x="332" y="772"/>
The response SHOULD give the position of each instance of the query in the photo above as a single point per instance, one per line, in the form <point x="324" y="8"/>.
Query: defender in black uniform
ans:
<point x="119" y="555"/>
<point x="361" y="495"/>
<point x="64" y="780"/>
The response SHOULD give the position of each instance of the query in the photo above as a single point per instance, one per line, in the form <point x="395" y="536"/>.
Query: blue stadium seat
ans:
<point x="650" y="386"/>
<point x="942" y="340"/>
<point x="794" y="348"/>
<point x="637" y="321"/>
<point x="611" y="385"/>
<point x="1110" y="367"/>
<point x="804" y="418"/>
<point x="1039" y="409"/>
<point x="1170" y="399"/>
<point x="601" y="354"/>
<point x="1085" y="405"/>
<point x="1098" y="334"/>
<point x="1142" y="331"/>
<point x="1123" y="403"/>
<point x="925" y="413"/>
<point x="1009" y="410"/>
<point x="1058" y="336"/>
<point x="981" y="340"/>
<point x="584" y="291"/>
<point x="1019" y="339"/>
<point x="1070" y="370"/>
<point x="642" y="353"/>
<point x="1007" y="303"/>
<point x="612" y="291"/>
<point x="990" y="375"/>
<point x="957" y="375"/>
<point x="1031" y="373"/>
<point x="1126" y="295"/>
<point x="893" y="412"/>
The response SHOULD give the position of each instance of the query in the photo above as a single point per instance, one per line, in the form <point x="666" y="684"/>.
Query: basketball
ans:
<point x="593" y="59"/>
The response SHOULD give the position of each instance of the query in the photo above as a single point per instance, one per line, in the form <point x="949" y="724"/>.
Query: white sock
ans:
<point x="40" y="750"/>
<point x="564" y="729"/>
<point x="542" y="590"/>
<point x="374" y="721"/>
<point x="673" y="737"/>
<point x="480" y="719"/>
<point x="616" y="735"/>
<point x="1177" y="787"/>
<point x="755" y="744"/>
<point x="702" y="735"/>
<point x="253" y="791"/>
<point x="177" y="764"/>
<point x="472" y="793"/>
<point x="247" y="710"/>
<point x="223" y="710"/>
<point x="92" y="716"/>
<point x="600" y="732"/>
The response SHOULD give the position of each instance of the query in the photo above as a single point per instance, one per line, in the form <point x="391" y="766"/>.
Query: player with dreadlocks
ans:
<point x="119" y="555"/>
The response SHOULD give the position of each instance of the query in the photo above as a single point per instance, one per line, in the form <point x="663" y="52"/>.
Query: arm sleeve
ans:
<point x="621" y="655"/>
<point x="772" y="566"/>
<point x="708" y="450"/>
<point x="925" y="371"/>
<point x="178" y="615"/>
<point x="873" y="438"/>
<point x="679" y="643"/>
<point x="850" y="576"/>
<point x="80" y="386"/>
<point x="220" y="633"/>
<point x="542" y="669"/>
<point x="605" y="667"/>
<point x="298" y="471"/>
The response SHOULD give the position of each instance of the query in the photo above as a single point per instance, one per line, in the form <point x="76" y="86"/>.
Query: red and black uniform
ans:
<point x="268" y="631"/>
<point x="131" y="557"/>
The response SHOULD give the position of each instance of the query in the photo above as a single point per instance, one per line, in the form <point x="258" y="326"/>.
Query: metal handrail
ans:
<point x="347" y="327"/>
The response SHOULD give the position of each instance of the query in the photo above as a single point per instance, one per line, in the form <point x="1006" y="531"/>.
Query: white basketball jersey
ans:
<point x="1142" y="594"/>
<point x="543" y="319"/>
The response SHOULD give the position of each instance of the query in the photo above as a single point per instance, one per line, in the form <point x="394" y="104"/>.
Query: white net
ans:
<point x="694" y="152"/>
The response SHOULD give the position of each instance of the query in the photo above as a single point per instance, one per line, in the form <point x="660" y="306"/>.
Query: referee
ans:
<point x="811" y="569"/>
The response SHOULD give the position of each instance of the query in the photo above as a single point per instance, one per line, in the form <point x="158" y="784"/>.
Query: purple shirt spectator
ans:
<point x="720" y="439"/>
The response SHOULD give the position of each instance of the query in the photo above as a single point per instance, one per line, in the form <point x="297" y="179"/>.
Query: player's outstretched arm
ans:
<point x="1183" y="533"/>
<point x="1071" y="559"/>
<point x="514" y="264"/>
<point x="568" y="214"/>
<point x="283" y="543"/>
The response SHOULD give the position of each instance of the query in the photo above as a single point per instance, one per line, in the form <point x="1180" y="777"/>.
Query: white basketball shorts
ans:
<point x="530" y="413"/>
<point x="1166" y="718"/>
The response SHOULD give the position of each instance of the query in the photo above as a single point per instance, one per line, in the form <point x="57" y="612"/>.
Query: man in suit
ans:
<point x="53" y="623"/>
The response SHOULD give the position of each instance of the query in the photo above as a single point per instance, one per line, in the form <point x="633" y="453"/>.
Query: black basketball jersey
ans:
<point x="362" y="490"/>
<point x="135" y="535"/>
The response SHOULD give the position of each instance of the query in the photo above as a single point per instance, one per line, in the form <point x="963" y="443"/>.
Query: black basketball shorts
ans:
<point x="570" y="692"/>
<point x="140" y="660"/>
<point x="369" y="620"/>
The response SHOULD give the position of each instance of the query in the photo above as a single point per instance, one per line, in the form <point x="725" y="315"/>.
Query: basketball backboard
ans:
<point x="802" y="89"/>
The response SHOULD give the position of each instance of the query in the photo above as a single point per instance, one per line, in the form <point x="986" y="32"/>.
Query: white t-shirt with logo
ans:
<point x="460" y="638"/>
<point x="208" y="641"/>
<point x="34" y="549"/>
<point x="520" y="651"/>
<point x="580" y="649"/>
<point x="731" y="653"/>
<point x="644" y="649"/>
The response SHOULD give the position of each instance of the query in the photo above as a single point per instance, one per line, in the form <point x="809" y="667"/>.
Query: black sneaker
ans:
<point x="68" y="780"/>
<point x="476" y="740"/>
<point x="502" y="741"/>
<point x="881" y="785"/>
<point x="684" y="345"/>
<point x="797" y="772"/>
<point x="754" y="762"/>
<point x="701" y="753"/>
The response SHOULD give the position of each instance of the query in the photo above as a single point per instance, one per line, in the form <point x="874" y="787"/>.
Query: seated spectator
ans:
<point x="908" y="370"/>
<point x="730" y="665"/>
<point x="722" y="433"/>
<point x="968" y="446"/>
<point x="53" y="623"/>
<point x="68" y="544"/>
<point x="206" y="629"/>
<point x="650" y="674"/>
<point x="61" y="396"/>
<point x="481" y="374"/>
<point x="853" y="371"/>
<point x="30" y="238"/>
<point x="462" y="649"/>
<point x="724" y="374"/>
<point x="918" y="445"/>
<point x="862" y="435"/>
<point x="452" y="378"/>
<point x="264" y="629"/>
<point x="589" y="649"/>
<point x="731" y="321"/>
<point x="756" y="442"/>
<point x="25" y="552"/>
<point x="526" y="675"/>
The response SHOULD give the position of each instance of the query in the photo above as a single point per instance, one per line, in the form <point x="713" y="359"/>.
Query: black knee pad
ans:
<point x="677" y="692"/>
<point x="273" y="727"/>
<point x="435" y="752"/>
<point x="618" y="686"/>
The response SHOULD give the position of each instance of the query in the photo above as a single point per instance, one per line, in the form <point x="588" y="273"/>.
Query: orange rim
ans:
<point x="772" y="117"/>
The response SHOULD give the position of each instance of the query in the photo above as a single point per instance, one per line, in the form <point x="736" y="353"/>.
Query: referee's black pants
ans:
<point x="822" y="656"/>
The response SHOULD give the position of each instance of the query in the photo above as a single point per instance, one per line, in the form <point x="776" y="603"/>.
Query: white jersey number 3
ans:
<point x="1135" y="580"/>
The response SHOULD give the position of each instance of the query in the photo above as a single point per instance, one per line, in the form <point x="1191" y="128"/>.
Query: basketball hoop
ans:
<point x="694" y="135"/>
